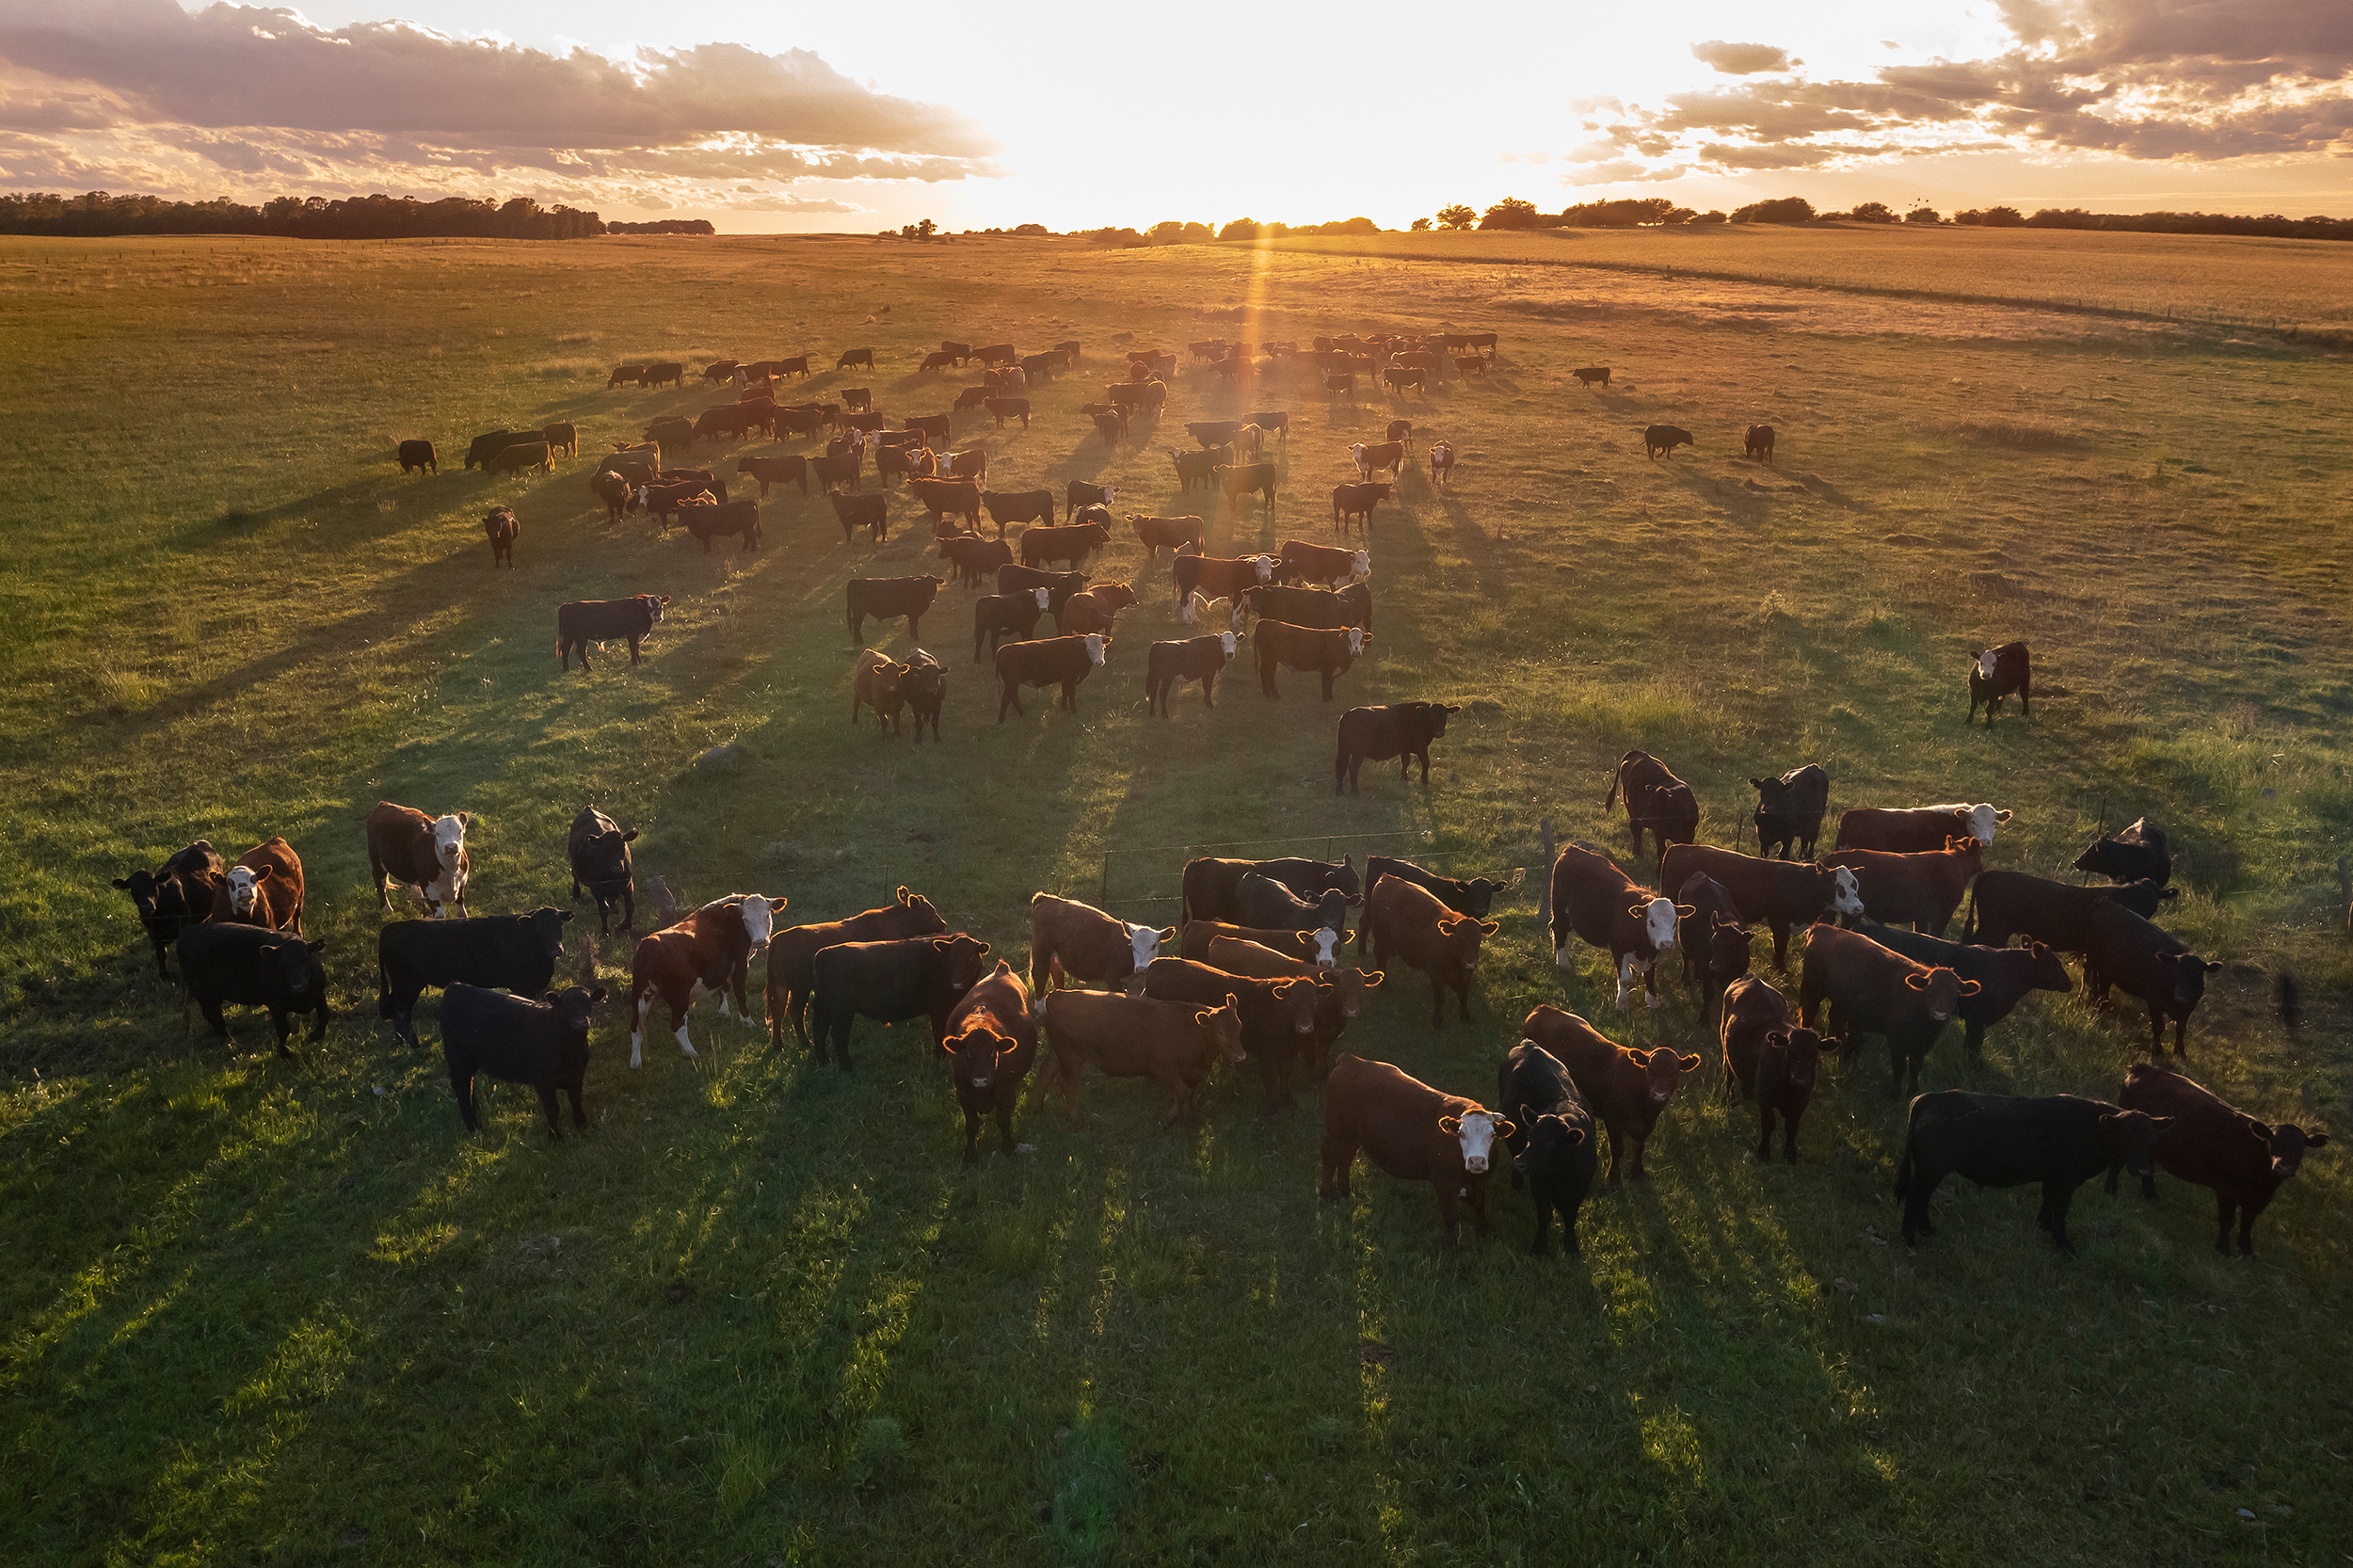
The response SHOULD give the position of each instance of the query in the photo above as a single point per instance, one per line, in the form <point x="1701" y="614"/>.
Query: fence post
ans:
<point x="1543" y="886"/>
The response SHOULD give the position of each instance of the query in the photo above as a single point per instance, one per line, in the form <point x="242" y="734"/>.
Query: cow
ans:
<point x="631" y="374"/>
<point x="600" y="856"/>
<point x="1752" y="1009"/>
<point x="1411" y="1131"/>
<point x="2059" y="1141"/>
<point x="1339" y="993"/>
<point x="1211" y="886"/>
<point x="774" y="471"/>
<point x="506" y="953"/>
<point x="1371" y="460"/>
<point x="1399" y="730"/>
<point x="890" y="982"/>
<point x="1063" y="662"/>
<point x="1004" y="408"/>
<point x="1094" y="609"/>
<point x="1774" y="1061"/>
<point x="870" y="512"/>
<point x="997" y="354"/>
<point x="2137" y="854"/>
<point x="1170" y="664"/>
<point x="942" y="497"/>
<point x="1552" y="1141"/>
<point x="669" y="373"/>
<point x="855" y="357"/>
<point x="1111" y="426"/>
<point x="961" y="353"/>
<point x="858" y="399"/>
<point x="1915" y="829"/>
<point x="991" y="1035"/>
<point x="1920" y="889"/>
<point x="997" y="615"/>
<point x="491" y="442"/>
<point x="1073" y="542"/>
<point x="1270" y="904"/>
<point x="1040" y="365"/>
<point x="975" y="559"/>
<point x="1078" y="492"/>
<point x="2003" y="975"/>
<point x="1655" y="800"/>
<point x="1474" y="896"/>
<point x="1169" y="533"/>
<point x="789" y="422"/>
<point x="1879" y="991"/>
<point x="1006" y="507"/>
<point x="583" y="621"/>
<point x="1317" y="949"/>
<point x="2123" y="950"/>
<point x="876" y="684"/>
<point x="887" y="598"/>
<point x="522" y="456"/>
<point x="1658" y="441"/>
<point x="263" y="887"/>
<point x="926" y="687"/>
<point x="1406" y="920"/>
<point x="1340" y="386"/>
<point x="175" y="895"/>
<point x="832" y="469"/>
<point x="1175" y="1044"/>
<point x="792" y="952"/>
<point x="1069" y="940"/>
<point x="1274" y="421"/>
<point x="734" y="420"/>
<point x="1776" y="894"/>
<point x="709" y="952"/>
<point x="418" y="457"/>
<point x="1326" y="652"/>
<point x="2003" y="904"/>
<point x="1396" y="379"/>
<point x="1199" y="467"/>
<point x="500" y="525"/>
<point x="1789" y="810"/>
<point x="720" y="370"/>
<point x="1335" y="564"/>
<point x="426" y="854"/>
<point x="618" y="495"/>
<point x="1241" y="479"/>
<point x="565" y="433"/>
<point x="1355" y="503"/>
<point x="1714" y="939"/>
<point x="1217" y="576"/>
<point x="1994" y="673"/>
<point x="1592" y="375"/>
<point x="667" y="497"/>
<point x="1056" y="586"/>
<point x="1758" y="443"/>
<point x="1597" y="902"/>
<point x="732" y="519"/>
<point x="1441" y="464"/>
<point x="1249" y="441"/>
<point x="970" y="465"/>
<point x="543" y="1043"/>
<point x="2213" y="1143"/>
<point x="1625" y="1090"/>
<point x="1313" y="606"/>
<point x="252" y="967"/>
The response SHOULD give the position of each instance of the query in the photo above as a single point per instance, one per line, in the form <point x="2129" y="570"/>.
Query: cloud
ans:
<point x="1622" y="171"/>
<point x="1740" y="60"/>
<point x="262" y="94"/>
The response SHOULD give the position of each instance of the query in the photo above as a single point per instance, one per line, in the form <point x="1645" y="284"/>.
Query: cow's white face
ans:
<point x="1355" y="641"/>
<point x="449" y="837"/>
<point x="1362" y="566"/>
<point x="653" y="609"/>
<point x="1226" y="640"/>
<point x="242" y="886"/>
<point x="1476" y="1132"/>
<point x="760" y="921"/>
<point x="643" y="490"/>
<point x="1327" y="943"/>
<point x="1144" y="944"/>
<point x="1043" y="597"/>
<point x="1095" y="648"/>
<point x="1659" y="922"/>
<point x="1265" y="564"/>
<point x="1985" y="664"/>
<point x="1983" y="820"/>
<point x="1110" y="495"/>
<point x="1357" y="451"/>
<point x="1846" y="892"/>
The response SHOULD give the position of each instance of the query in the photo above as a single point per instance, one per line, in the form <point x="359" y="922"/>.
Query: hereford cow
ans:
<point x="2058" y="1141"/>
<point x="1996" y="672"/>
<point x="263" y="887"/>
<point x="1661" y="439"/>
<point x="1072" y="940"/>
<point x="1597" y="902"/>
<point x="1216" y="577"/>
<point x="250" y="967"/>
<point x="1878" y="991"/>
<point x="598" y="621"/>
<point x="1552" y="1139"/>
<point x="1170" y="664"/>
<point x="418" y="457"/>
<point x="1913" y="829"/>
<point x="1776" y="894"/>
<point x="992" y="1037"/>
<point x="1920" y="889"/>
<point x="1169" y="533"/>
<point x="1441" y="464"/>
<point x="2003" y="975"/>
<point x="1627" y="1091"/>
<point x="2213" y="1143"/>
<point x="600" y="856"/>
<point x="1371" y="458"/>
<point x="2003" y="904"/>
<point x="1407" y="920"/>
<point x="887" y="598"/>
<point x="2137" y="854"/>
<point x="1315" y="949"/>
<point x="1063" y="662"/>
<point x="709" y="952"/>
<point x="174" y="896"/>
<point x="505" y="952"/>
<point x="1334" y="565"/>
<point x="426" y="854"/>
<point x="1326" y="652"/>
<point x="793" y="954"/>
<point x="1354" y="502"/>
<point x="1401" y="729"/>
<point x="1789" y="810"/>
<point x="1174" y="1044"/>
<point x="1411" y="1131"/>
<point x="2123" y="950"/>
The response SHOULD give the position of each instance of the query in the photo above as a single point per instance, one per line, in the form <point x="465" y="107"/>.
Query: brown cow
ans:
<point x="1776" y="894"/>
<point x="1408" y="921"/>
<point x="1326" y="652"/>
<point x="427" y="854"/>
<point x="1241" y="479"/>
<point x="1063" y="662"/>
<point x="263" y="887"/>
<point x="1655" y="800"/>
<point x="1339" y="993"/>
<point x="1775" y="1062"/>
<point x="876" y="684"/>
<point x="1094" y="609"/>
<point x="870" y="512"/>
<point x="1372" y="458"/>
<point x="1069" y="940"/>
<point x="1216" y="577"/>
<point x="791" y="956"/>
<point x="500" y="525"/>
<point x="1758" y="443"/>
<point x="1875" y="989"/>
<point x="1627" y="1091"/>
<point x="1355" y="503"/>
<point x="1413" y="1132"/>
<point x="1173" y="1043"/>
<point x="942" y="497"/>
<point x="1913" y="829"/>
<point x="1319" y="948"/>
<point x="1169" y="533"/>
<point x="1278" y="1017"/>
<point x="1922" y="889"/>
<point x="1335" y="566"/>
<point x="992" y="1037"/>
<point x="709" y="952"/>
<point x="1597" y="902"/>
<point x="1170" y="664"/>
<point x="2213" y="1143"/>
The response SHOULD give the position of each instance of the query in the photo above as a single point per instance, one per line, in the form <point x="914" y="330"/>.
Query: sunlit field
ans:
<point x="758" y="1312"/>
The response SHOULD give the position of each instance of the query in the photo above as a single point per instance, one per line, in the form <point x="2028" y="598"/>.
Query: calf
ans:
<point x="1994" y="673"/>
<point x="506" y="953"/>
<point x="1402" y="731"/>
<point x="2060" y="1140"/>
<point x="870" y="512"/>
<point x="1751" y="1010"/>
<point x="1063" y="662"/>
<point x="543" y="1043"/>
<point x="792" y="952"/>
<point x="1776" y="894"/>
<point x="2215" y="1145"/>
<point x="2124" y="950"/>
<point x="1006" y="507"/>
<point x="1217" y="577"/>
<point x="1661" y="439"/>
<point x="2003" y="975"/>
<point x="598" y="621"/>
<point x="253" y="967"/>
<point x="1072" y="940"/>
<point x="1627" y="1091"/>
<point x="1413" y="1132"/>
<point x="996" y="615"/>
<point x="426" y="854"/>
<point x="1170" y="664"/>
<point x="727" y="519"/>
<point x="1278" y="1017"/>
<point x="1095" y="609"/>
<point x="174" y="896"/>
<point x="1916" y="830"/>
<point x="1593" y="899"/>
<point x="1921" y="890"/>
<point x="264" y="888"/>
<point x="1335" y="564"/>
<point x="600" y="856"/>
<point x="1879" y="991"/>
<point x="2003" y="904"/>
<point x="921" y="977"/>
<point x="1714" y="940"/>
<point x="1327" y="652"/>
<point x="709" y="952"/>
<point x="876" y="684"/>
<point x="992" y="1037"/>
<point x="2138" y="853"/>
<point x="1551" y="1140"/>
<point x="1357" y="502"/>
<point x="1174" y="1044"/>
<point x="418" y="457"/>
<point x="1788" y="1062"/>
<point x="925" y="684"/>
<point x="1789" y="810"/>
<point x="1407" y="920"/>
<point x="1758" y="443"/>
<point x="887" y="598"/>
<point x="500" y="525"/>
<point x="1072" y="542"/>
<point x="1169" y="533"/>
<point x="1655" y="800"/>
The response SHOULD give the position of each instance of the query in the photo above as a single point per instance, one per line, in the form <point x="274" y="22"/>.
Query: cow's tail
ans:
<point x="383" y="988"/>
<point x="1969" y="922"/>
<point x="1612" y="798"/>
<point x="1907" y="1166"/>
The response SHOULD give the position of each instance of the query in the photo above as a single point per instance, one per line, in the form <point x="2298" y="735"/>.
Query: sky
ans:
<point x="769" y="118"/>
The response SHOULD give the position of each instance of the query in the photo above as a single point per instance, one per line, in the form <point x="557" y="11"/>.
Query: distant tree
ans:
<point x="1621" y="214"/>
<point x="1170" y="232"/>
<point x="1679" y="216"/>
<point x="1421" y="226"/>
<point x="1713" y="215"/>
<point x="1038" y="229"/>
<point x="1240" y="229"/>
<point x="1787" y="209"/>
<point x="1112" y="235"/>
<point x="1510" y="213"/>
<point x="1990" y="217"/>
<point x="1871" y="212"/>
<point x="1457" y="217"/>
<point x="1923" y="214"/>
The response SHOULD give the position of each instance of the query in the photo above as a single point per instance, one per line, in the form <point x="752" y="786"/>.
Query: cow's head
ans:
<point x="2128" y="1134"/>
<point x="1801" y="1053"/>
<point x="1985" y="661"/>
<point x="1323" y="943"/>
<point x="1110" y="495"/>
<point x="979" y="1049"/>
<point x="1476" y="1131"/>
<point x="1846" y="891"/>
<point x="1357" y="638"/>
<point x="1727" y="950"/>
<point x="449" y="838"/>
<point x="964" y="955"/>
<point x="1144" y="944"/>
<point x="2186" y="974"/>
<point x="1983" y="820"/>
<point x="1361" y="566"/>
<point x="1662" y="1069"/>
<point x="1297" y="997"/>
<point x="1223" y="1027"/>
<point x="291" y="961"/>
<point x="1226" y="643"/>
<point x="1771" y="793"/>
<point x="1097" y="642"/>
<point x="2287" y="1144"/>
<point x="1348" y="986"/>
<point x="547" y="924"/>
<point x="655" y="604"/>
<point x="604" y="854"/>
<point x="1941" y="990"/>
<point x="921" y="915"/>
<point x="1438" y="712"/>
<point x="1357" y="451"/>
<point x="759" y="918"/>
<point x="1658" y="918"/>
<point x="141" y="886"/>
<point x="2049" y="973"/>
<point x="1549" y="1139"/>
<point x="1266" y="565"/>
<point x="574" y="1005"/>
<point x="1462" y="934"/>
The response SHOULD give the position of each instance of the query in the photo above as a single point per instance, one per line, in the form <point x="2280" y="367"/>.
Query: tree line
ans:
<point x="358" y="217"/>
<point x="1658" y="211"/>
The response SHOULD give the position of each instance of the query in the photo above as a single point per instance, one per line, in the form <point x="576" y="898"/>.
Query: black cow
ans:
<point x="1327" y="609"/>
<point x="1170" y="664"/>
<point x="1661" y="439"/>
<point x="2003" y="975"/>
<point x="175" y="895"/>
<point x="418" y="457"/>
<point x="887" y="598"/>
<point x="1401" y="729"/>
<point x="1996" y="672"/>
<point x="925" y="687"/>
<point x="915" y="977"/>
<point x="996" y="615"/>
<point x="1212" y="886"/>
<point x="505" y="952"/>
<point x="1551" y="1139"/>
<point x="2003" y="904"/>
<point x="2126" y="952"/>
<point x="1265" y="903"/>
<point x="596" y="620"/>
<point x="727" y="520"/>
<point x="2060" y="1140"/>
<point x="1473" y="897"/>
<point x="2139" y="852"/>
<point x="253" y="968"/>
<point x="1789" y="809"/>
<point x="543" y="1043"/>
<point x="600" y="855"/>
<point x="491" y="444"/>
<point x="870" y="512"/>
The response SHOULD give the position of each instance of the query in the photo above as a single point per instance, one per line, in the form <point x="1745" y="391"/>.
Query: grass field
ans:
<point x="757" y="1313"/>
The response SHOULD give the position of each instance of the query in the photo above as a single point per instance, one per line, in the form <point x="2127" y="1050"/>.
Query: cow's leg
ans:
<point x="971" y="1133"/>
<point x="461" y="1084"/>
<point x="1425" y="768"/>
<point x="1449" y="1216"/>
<point x="2058" y="1201"/>
<point x="1780" y="925"/>
<point x="2247" y="1228"/>
<point x="1765" y="1136"/>
<point x="284" y="1026"/>
<point x="1616" y="1144"/>
<point x="1790" y="1133"/>
<point x="1544" y="1225"/>
<point x="1650" y="987"/>
<point x="638" y="1004"/>
<point x="1626" y="981"/>
<point x="1007" y="1093"/>
<point x="2222" y="1211"/>
<point x="547" y="1104"/>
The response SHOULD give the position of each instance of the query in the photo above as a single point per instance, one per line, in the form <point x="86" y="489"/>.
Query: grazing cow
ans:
<point x="500" y="525"/>
<point x="1552" y="1139"/>
<point x="855" y="357"/>
<point x="1061" y="661"/>
<point x="1597" y="902"/>
<point x="1325" y="651"/>
<point x="998" y="615"/>
<point x="792" y="954"/>
<point x="1211" y="886"/>
<point x="631" y="374"/>
<point x="1216" y="577"/>
<point x="2058" y="1141"/>
<point x="542" y="1043"/>
<point x="1441" y="464"/>
<point x="975" y="559"/>
<point x="565" y="433"/>
<point x="1072" y="542"/>
<point x="505" y="952"/>
<point x="992" y="1037"/>
<point x="1715" y="943"/>
<point x="176" y="895"/>
<point x="520" y="457"/>
<point x="1371" y="460"/>
<point x="2003" y="904"/>
<point x="734" y="420"/>
<point x="2003" y="975"/>
<point x="1758" y="443"/>
<point x="1401" y="729"/>
<point x="876" y="684"/>
<point x="709" y="952"/>
<point x="1058" y="586"/>
<point x="891" y="981"/>
<point x="418" y="457"/>
<point x="1776" y="894"/>
<point x="1169" y="533"/>
<point x="727" y="520"/>
<point x="583" y="621"/>
<point x="1396" y="379"/>
<point x="670" y="373"/>
<point x="263" y="887"/>
<point x="253" y="967"/>
<point x="618" y="495"/>
<point x="426" y="854"/>
<point x="1661" y="439"/>
<point x="1913" y="829"/>
<point x="1215" y="432"/>
<point x="1268" y="904"/>
<point x="1878" y="991"/>
<point x="1170" y="664"/>
<point x="1338" y="565"/>
<point x="1040" y="365"/>
<point x="1920" y="889"/>
<point x="1412" y="1132"/>
<point x="1625" y="1090"/>
<point x="806" y="422"/>
<point x="796" y="365"/>
<point x="1789" y="810"/>
<point x="1406" y="920"/>
<point x="600" y="856"/>
<point x="887" y="598"/>
<point x="1242" y="479"/>
<point x="2123" y="950"/>
<point x="942" y="497"/>
<point x="870" y="512"/>
<point x="1175" y="1044"/>
<point x="1355" y="503"/>
<point x="1078" y="493"/>
<point x="490" y="444"/>
<point x="1775" y="1062"/>
<point x="775" y="470"/>
<point x="1655" y="800"/>
<point x="2213" y="1143"/>
<point x="1094" y="609"/>
<point x="835" y="468"/>
<point x="1994" y="673"/>
<point x="1069" y="940"/>
<point x="2137" y="854"/>
<point x="1592" y="375"/>
<point x="1006" y="507"/>
<point x="720" y="370"/>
